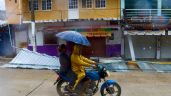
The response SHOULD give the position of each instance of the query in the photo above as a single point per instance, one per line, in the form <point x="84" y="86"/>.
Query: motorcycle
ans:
<point x="95" y="77"/>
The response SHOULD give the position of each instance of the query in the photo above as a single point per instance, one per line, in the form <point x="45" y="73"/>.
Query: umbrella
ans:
<point x="74" y="36"/>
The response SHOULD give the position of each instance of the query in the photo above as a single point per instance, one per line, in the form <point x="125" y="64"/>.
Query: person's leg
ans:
<point x="73" y="77"/>
<point x="80" y="76"/>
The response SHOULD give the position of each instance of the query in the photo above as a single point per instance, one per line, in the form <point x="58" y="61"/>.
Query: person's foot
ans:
<point x="69" y="88"/>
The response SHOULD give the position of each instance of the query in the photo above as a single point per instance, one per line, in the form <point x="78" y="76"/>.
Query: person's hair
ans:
<point x="61" y="47"/>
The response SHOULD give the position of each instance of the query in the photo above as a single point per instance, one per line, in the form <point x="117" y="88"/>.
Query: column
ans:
<point x="158" y="47"/>
<point x="131" y="47"/>
<point x="159" y="7"/>
<point x="122" y="6"/>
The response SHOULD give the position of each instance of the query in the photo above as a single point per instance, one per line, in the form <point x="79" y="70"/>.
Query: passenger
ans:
<point x="78" y="63"/>
<point x="65" y="62"/>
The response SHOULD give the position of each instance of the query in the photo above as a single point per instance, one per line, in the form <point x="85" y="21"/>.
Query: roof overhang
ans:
<point x="67" y="20"/>
<point x="145" y="32"/>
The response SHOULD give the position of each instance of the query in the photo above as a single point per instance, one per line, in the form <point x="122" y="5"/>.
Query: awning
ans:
<point x="97" y="34"/>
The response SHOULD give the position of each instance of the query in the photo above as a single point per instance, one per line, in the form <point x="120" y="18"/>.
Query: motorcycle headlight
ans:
<point x="108" y="73"/>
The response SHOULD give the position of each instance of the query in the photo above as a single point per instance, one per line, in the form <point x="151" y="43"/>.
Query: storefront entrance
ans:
<point x="97" y="48"/>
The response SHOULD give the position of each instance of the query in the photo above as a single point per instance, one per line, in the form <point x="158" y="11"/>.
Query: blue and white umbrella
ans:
<point x="74" y="36"/>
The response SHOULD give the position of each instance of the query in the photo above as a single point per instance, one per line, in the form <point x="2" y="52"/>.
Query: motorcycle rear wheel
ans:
<point x="60" y="88"/>
<point x="113" y="90"/>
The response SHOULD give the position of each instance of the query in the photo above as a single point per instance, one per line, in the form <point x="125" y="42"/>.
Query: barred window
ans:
<point x="46" y="4"/>
<point x="86" y="3"/>
<point x="73" y="4"/>
<point x="35" y="4"/>
<point x="100" y="3"/>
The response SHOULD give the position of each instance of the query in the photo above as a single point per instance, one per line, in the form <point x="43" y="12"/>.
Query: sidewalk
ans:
<point x="116" y="64"/>
<point x="4" y="60"/>
<point x="153" y="66"/>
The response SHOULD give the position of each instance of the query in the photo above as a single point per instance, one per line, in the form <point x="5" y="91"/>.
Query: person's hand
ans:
<point x="94" y="66"/>
<point x="95" y="63"/>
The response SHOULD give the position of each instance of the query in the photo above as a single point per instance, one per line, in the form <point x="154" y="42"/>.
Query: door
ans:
<point x="165" y="47"/>
<point x="144" y="47"/>
<point x="97" y="48"/>
<point x="73" y="12"/>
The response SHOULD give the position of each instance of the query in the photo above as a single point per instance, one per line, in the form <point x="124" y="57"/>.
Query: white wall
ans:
<point x="2" y="2"/>
<point x="116" y="40"/>
<point x="39" y="36"/>
<point x="20" y="37"/>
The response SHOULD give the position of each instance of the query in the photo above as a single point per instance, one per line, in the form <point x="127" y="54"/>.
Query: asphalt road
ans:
<point x="29" y="82"/>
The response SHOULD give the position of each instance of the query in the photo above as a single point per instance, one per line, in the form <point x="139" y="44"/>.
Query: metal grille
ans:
<point x="29" y="59"/>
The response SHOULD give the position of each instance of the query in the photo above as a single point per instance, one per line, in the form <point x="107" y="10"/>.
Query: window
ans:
<point x="46" y="4"/>
<point x="100" y="3"/>
<point x="86" y="3"/>
<point x="35" y="4"/>
<point x="73" y="4"/>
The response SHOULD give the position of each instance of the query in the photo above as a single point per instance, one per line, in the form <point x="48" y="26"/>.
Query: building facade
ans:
<point x="96" y="19"/>
<point x="146" y="29"/>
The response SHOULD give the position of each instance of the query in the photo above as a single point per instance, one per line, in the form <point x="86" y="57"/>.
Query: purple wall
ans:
<point x="47" y="49"/>
<point x="113" y="50"/>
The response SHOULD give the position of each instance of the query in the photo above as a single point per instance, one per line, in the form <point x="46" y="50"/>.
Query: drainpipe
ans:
<point x="159" y="13"/>
<point x="33" y="26"/>
<point x="122" y="6"/>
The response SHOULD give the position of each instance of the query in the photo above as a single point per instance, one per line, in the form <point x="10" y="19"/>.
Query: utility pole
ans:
<point x="33" y="26"/>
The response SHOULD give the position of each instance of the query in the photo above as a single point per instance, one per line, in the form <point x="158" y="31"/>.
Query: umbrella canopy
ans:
<point x="74" y="36"/>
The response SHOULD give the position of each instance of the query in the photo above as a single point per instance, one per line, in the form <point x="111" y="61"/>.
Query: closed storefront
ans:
<point x="144" y="47"/>
<point x="165" y="47"/>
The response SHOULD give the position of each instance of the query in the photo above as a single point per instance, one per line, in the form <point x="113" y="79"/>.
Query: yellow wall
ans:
<point x="112" y="10"/>
<point x="59" y="11"/>
<point x="13" y="11"/>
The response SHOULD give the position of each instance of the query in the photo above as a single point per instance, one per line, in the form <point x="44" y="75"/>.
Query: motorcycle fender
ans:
<point x="107" y="84"/>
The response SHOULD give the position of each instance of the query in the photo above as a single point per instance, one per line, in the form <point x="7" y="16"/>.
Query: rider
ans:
<point x="78" y="63"/>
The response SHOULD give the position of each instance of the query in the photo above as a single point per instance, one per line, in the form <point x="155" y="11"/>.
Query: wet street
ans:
<point x="29" y="82"/>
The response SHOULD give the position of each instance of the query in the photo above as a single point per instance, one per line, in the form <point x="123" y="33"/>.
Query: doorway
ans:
<point x="97" y="48"/>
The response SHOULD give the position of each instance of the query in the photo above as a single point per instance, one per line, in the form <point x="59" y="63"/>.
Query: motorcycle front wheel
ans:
<point x="113" y="90"/>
